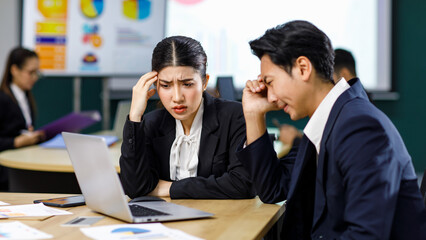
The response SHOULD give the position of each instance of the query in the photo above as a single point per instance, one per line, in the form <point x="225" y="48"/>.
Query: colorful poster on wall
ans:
<point x="93" y="37"/>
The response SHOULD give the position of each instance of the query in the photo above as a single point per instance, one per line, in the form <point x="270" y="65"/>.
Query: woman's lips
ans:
<point x="179" y="109"/>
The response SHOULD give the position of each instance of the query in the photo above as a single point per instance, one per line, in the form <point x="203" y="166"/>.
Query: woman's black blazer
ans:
<point x="12" y="121"/>
<point x="145" y="154"/>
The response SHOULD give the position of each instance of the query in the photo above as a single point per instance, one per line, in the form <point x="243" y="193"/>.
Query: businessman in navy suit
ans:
<point x="351" y="177"/>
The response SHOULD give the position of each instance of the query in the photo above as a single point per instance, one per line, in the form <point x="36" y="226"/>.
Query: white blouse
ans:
<point x="184" y="151"/>
<point x="22" y="102"/>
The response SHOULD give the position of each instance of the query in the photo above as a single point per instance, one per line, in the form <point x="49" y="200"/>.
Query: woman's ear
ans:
<point x="206" y="82"/>
<point x="14" y="70"/>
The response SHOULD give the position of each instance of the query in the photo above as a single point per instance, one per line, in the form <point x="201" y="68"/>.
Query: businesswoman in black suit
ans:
<point x="187" y="148"/>
<point x="17" y="103"/>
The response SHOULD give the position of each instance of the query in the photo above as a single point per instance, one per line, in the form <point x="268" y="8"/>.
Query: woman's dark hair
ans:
<point x="180" y="51"/>
<point x="18" y="57"/>
<point x="286" y="42"/>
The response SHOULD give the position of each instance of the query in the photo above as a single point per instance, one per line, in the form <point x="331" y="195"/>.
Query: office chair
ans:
<point x="123" y="110"/>
<point x="225" y="87"/>
<point x="423" y="187"/>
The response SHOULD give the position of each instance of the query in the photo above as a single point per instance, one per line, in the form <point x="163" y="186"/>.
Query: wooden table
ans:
<point x="45" y="170"/>
<point x="233" y="219"/>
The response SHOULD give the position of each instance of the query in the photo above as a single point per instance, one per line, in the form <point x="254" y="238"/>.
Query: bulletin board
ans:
<point x="93" y="37"/>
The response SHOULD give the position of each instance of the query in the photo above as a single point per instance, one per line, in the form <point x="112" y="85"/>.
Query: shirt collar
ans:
<point x="316" y="124"/>
<point x="18" y="92"/>
<point x="184" y="150"/>
<point x="197" y="124"/>
<point x="22" y="100"/>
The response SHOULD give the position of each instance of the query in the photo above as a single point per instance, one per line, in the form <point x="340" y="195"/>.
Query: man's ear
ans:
<point x="346" y="74"/>
<point x="304" y="67"/>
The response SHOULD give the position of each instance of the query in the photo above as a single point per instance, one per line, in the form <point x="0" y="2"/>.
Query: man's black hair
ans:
<point x="286" y="42"/>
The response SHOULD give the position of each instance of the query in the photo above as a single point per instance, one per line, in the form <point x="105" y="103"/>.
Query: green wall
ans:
<point x="54" y="95"/>
<point x="408" y="61"/>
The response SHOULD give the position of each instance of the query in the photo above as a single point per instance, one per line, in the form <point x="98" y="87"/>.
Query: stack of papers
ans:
<point x="18" y="230"/>
<point x="30" y="210"/>
<point x="58" y="141"/>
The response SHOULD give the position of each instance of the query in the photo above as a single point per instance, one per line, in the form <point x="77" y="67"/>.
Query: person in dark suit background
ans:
<point x="17" y="103"/>
<point x="186" y="149"/>
<point x="344" y="65"/>
<point x="351" y="176"/>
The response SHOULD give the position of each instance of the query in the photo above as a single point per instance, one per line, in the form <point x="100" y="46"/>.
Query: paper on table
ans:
<point x="30" y="210"/>
<point x="4" y="203"/>
<point x="73" y="122"/>
<point x="136" y="231"/>
<point x="58" y="141"/>
<point x="18" y="230"/>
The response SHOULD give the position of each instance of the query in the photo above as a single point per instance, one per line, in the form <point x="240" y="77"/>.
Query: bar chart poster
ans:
<point x="93" y="37"/>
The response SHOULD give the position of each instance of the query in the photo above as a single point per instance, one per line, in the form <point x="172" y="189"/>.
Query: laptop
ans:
<point x="102" y="190"/>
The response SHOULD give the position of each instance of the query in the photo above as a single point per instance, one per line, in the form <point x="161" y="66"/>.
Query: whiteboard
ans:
<point x="93" y="37"/>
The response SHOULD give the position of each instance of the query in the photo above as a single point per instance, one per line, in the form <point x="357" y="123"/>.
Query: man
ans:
<point x="351" y="177"/>
<point x="344" y="65"/>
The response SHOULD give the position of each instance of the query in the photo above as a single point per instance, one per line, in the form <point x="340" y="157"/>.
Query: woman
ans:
<point x="16" y="101"/>
<point x="186" y="149"/>
<point x="17" y="104"/>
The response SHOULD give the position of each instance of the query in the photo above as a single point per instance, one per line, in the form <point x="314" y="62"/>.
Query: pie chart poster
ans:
<point x="93" y="37"/>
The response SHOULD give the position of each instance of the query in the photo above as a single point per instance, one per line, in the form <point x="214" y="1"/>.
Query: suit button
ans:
<point x="131" y="140"/>
<point x="320" y="237"/>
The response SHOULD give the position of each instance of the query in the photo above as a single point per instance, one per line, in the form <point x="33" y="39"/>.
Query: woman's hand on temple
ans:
<point x="140" y="95"/>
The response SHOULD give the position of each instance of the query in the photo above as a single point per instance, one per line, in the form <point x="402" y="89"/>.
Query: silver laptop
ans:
<point x="102" y="190"/>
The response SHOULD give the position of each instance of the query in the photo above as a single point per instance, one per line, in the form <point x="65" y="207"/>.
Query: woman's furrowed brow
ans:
<point x="186" y="80"/>
<point x="180" y="80"/>
<point x="162" y="80"/>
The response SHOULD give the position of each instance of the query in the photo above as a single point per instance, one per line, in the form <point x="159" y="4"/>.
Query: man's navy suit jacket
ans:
<point x="362" y="185"/>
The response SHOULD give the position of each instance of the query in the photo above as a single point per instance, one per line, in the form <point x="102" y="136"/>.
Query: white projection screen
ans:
<point x="225" y="27"/>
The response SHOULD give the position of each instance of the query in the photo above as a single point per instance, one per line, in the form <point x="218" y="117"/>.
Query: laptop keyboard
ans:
<point x="139" y="211"/>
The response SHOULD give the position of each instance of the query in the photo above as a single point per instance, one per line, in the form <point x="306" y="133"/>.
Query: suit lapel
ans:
<point x="305" y="154"/>
<point x="164" y="141"/>
<point x="18" y="109"/>
<point x="209" y="139"/>
<point x="320" y="199"/>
